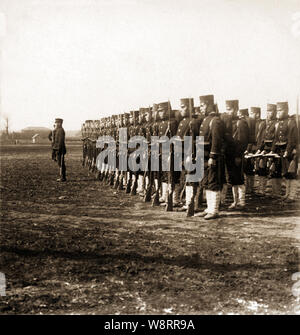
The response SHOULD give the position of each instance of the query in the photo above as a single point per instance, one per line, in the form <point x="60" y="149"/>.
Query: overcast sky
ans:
<point x="84" y="59"/>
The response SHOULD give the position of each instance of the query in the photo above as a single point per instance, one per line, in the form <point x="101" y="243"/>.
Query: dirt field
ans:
<point x="81" y="247"/>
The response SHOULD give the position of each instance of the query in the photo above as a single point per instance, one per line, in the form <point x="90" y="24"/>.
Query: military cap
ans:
<point x="207" y="99"/>
<point x="244" y="112"/>
<point x="154" y="107"/>
<point x="271" y="107"/>
<point x="134" y="114"/>
<point x="58" y="120"/>
<point x="144" y="110"/>
<point x="232" y="104"/>
<point x="164" y="106"/>
<point x="283" y="105"/>
<point x="189" y="102"/>
<point x="255" y="109"/>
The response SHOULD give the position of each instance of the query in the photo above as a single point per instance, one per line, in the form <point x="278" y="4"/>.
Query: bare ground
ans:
<point x="81" y="247"/>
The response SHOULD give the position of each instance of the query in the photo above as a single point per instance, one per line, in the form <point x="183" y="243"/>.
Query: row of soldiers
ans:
<point x="238" y="146"/>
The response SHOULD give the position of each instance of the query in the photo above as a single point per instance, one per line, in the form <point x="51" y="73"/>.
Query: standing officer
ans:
<point x="212" y="130"/>
<point x="51" y="138"/>
<point x="60" y="147"/>
<point x="186" y="110"/>
<point x="285" y="144"/>
<point x="268" y="136"/>
<point x="256" y="131"/>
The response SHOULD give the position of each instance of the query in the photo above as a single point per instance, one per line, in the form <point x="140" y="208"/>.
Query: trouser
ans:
<point x="62" y="166"/>
<point x="262" y="184"/>
<point x="54" y="155"/>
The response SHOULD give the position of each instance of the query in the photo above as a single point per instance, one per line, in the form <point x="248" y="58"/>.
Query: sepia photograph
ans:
<point x="149" y="160"/>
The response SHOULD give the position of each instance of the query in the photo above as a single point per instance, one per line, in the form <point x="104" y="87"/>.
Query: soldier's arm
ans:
<point x="260" y="135"/>
<point x="216" y="137"/>
<point x="292" y="137"/>
<point x="50" y="136"/>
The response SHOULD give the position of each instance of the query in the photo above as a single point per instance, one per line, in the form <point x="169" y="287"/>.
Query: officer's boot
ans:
<point x="213" y="208"/>
<point x="134" y="184"/>
<point x="155" y="201"/>
<point x="139" y="189"/>
<point x="117" y="179"/>
<point x="293" y="190"/>
<point x="262" y="185"/>
<point x="190" y="200"/>
<point x="176" y="195"/>
<point x="287" y="189"/>
<point x="163" y="198"/>
<point x="241" y="196"/>
<point x="235" y="197"/>
<point x="208" y="204"/>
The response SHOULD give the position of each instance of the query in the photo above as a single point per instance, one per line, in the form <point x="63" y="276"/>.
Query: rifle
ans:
<point x="155" y="201"/>
<point x="148" y="189"/>
<point x="191" y="208"/>
<point x="169" y="207"/>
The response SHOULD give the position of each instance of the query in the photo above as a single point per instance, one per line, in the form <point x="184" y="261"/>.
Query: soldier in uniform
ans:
<point x="285" y="145"/>
<point x="51" y="138"/>
<point x="198" y="191"/>
<point x="122" y="174"/>
<point x="268" y="135"/>
<point x="119" y="125"/>
<point x="149" y="175"/>
<point x="132" y="131"/>
<point x="155" y="174"/>
<point x="212" y="130"/>
<point x="141" y="131"/>
<point x="232" y="107"/>
<point x="183" y="129"/>
<point x="60" y="147"/>
<point x="166" y="127"/>
<point x="236" y="133"/>
<point x="256" y="130"/>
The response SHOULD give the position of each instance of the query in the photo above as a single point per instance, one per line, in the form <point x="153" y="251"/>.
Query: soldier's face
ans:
<point x="239" y="114"/>
<point x="141" y="118"/>
<point x="184" y="110"/>
<point x="161" y="114"/>
<point x="270" y="115"/>
<point x="147" y="117"/>
<point x="252" y="115"/>
<point x="231" y="111"/>
<point x="281" y="113"/>
<point x="203" y="108"/>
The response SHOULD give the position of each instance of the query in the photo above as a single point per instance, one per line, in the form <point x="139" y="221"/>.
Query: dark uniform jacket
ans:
<point x="212" y="130"/>
<point x="240" y="134"/>
<point x="59" y="141"/>
<point x="286" y="134"/>
<point x="268" y="135"/>
<point x="256" y="133"/>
